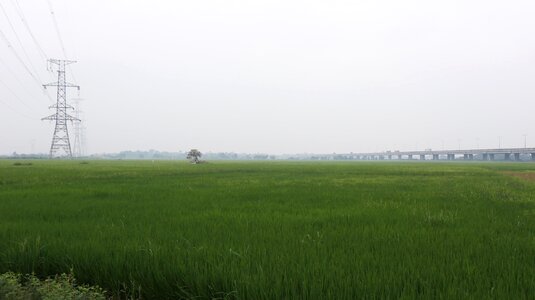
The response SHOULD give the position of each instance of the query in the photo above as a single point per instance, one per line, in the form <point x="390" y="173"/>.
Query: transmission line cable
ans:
<point x="56" y="26"/>
<point x="72" y="75"/>
<point x="20" y="42"/>
<point x="16" y="96"/>
<point x="6" y="40"/>
<point x="62" y="44"/>
<point x="15" y="111"/>
<point x="24" y="21"/>
<point x="43" y="54"/>
<point x="20" y="100"/>
<point x="14" y="74"/>
<point x="20" y="12"/>
<point x="40" y="50"/>
<point x="73" y="45"/>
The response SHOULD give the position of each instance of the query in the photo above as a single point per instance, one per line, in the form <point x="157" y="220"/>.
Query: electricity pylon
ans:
<point x="79" y="130"/>
<point x="60" y="139"/>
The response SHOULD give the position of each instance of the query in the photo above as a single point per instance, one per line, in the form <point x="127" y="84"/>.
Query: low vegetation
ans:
<point x="28" y="287"/>
<point x="273" y="230"/>
<point x="22" y="164"/>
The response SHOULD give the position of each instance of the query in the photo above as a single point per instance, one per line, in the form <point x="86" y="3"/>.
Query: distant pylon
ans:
<point x="61" y="145"/>
<point x="79" y="130"/>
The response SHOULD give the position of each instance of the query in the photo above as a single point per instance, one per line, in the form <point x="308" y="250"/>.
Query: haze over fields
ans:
<point x="276" y="76"/>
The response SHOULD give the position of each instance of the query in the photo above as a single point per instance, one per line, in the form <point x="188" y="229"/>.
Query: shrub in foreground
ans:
<point x="16" y="286"/>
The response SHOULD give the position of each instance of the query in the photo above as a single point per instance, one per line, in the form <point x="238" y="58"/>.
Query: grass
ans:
<point x="273" y="230"/>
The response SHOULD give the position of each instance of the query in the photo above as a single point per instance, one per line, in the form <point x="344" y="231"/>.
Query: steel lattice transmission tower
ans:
<point x="79" y="130"/>
<point x="61" y="145"/>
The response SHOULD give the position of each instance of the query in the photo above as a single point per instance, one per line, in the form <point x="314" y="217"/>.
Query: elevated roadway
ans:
<point x="468" y="154"/>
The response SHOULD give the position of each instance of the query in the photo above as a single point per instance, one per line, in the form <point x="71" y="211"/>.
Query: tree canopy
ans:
<point x="194" y="155"/>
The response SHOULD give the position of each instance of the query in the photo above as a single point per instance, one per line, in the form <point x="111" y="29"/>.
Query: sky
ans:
<point x="292" y="76"/>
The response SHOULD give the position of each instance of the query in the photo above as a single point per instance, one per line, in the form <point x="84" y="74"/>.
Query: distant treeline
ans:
<point x="25" y="156"/>
<point x="154" y="154"/>
<point x="181" y="155"/>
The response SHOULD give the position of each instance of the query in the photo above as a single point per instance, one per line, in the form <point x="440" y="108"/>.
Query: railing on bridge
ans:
<point x="468" y="154"/>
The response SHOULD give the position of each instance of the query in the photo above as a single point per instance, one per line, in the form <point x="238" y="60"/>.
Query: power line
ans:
<point x="56" y="26"/>
<point x="62" y="44"/>
<point x="20" y="12"/>
<point x="16" y="111"/>
<point x="36" y="77"/>
<point x="72" y="75"/>
<point x="14" y="75"/>
<point x="6" y="40"/>
<point x="70" y="38"/>
<point x="16" y="96"/>
<point x="73" y="44"/>
<point x="20" y="42"/>
<point x="41" y="52"/>
<point x="11" y="107"/>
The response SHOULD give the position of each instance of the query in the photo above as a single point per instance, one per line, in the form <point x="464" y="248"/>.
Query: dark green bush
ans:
<point x="17" y="286"/>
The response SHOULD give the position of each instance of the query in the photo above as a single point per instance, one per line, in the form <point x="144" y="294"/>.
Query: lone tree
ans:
<point x="194" y="155"/>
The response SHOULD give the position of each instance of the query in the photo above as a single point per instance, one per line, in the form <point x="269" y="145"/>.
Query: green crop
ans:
<point x="273" y="230"/>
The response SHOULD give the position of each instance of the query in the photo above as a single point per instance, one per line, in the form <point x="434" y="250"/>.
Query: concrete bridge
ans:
<point x="469" y="154"/>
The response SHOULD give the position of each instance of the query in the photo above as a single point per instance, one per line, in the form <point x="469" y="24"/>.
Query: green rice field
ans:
<point x="274" y="230"/>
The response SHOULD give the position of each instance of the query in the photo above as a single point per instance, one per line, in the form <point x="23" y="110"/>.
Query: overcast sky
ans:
<point x="275" y="76"/>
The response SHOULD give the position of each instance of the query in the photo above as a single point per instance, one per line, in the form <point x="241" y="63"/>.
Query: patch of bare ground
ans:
<point x="523" y="175"/>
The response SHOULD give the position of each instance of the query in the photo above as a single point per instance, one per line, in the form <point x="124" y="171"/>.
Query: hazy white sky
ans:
<point x="276" y="76"/>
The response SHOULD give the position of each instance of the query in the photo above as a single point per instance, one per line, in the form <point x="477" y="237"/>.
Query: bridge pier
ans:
<point x="509" y="154"/>
<point x="468" y="156"/>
